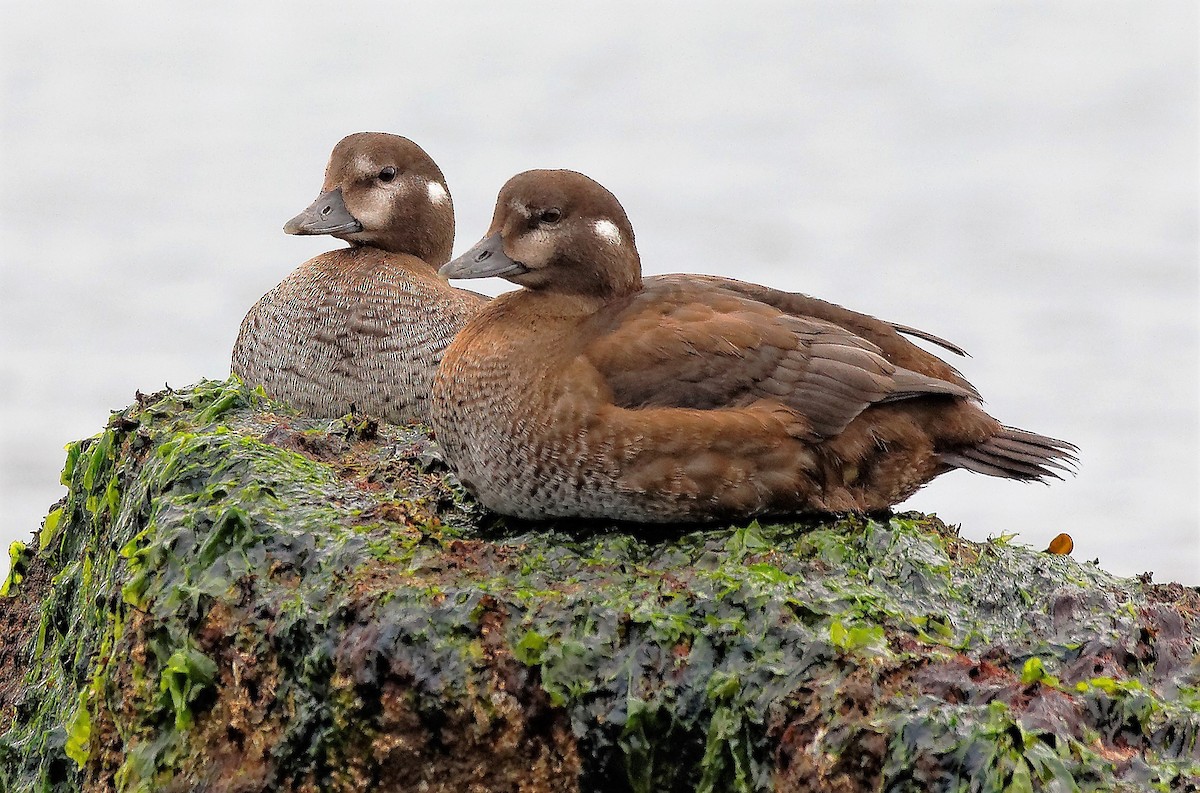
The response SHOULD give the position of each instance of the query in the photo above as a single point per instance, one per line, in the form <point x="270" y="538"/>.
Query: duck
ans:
<point x="362" y="328"/>
<point x="592" y="393"/>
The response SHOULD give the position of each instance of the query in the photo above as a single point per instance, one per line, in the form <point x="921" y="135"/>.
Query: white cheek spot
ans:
<point x="533" y="248"/>
<point x="608" y="231"/>
<point x="437" y="193"/>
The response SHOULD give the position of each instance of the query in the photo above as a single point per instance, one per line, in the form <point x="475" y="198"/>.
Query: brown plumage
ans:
<point x="590" y="393"/>
<point x="363" y="326"/>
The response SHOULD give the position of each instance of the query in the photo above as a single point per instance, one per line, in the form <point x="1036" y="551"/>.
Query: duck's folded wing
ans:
<point x="690" y="346"/>
<point x="888" y="336"/>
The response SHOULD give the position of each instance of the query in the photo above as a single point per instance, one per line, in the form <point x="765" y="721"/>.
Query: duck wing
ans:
<point x="687" y="344"/>
<point x="888" y="336"/>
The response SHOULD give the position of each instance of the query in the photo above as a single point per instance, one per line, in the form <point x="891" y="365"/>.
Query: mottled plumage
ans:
<point x="590" y="393"/>
<point x="358" y="326"/>
<point x="363" y="326"/>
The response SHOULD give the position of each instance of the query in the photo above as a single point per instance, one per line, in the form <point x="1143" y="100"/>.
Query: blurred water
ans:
<point x="1019" y="178"/>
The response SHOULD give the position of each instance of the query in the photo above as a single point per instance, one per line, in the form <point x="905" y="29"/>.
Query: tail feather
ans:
<point x="1064" y="459"/>
<point x="961" y="461"/>
<point x="987" y="461"/>
<point x="1017" y="454"/>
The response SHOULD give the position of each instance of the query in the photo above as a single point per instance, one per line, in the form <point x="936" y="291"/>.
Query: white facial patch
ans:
<point x="437" y="193"/>
<point x="608" y="231"/>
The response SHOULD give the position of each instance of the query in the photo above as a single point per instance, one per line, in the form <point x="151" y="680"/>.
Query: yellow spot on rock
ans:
<point x="1061" y="545"/>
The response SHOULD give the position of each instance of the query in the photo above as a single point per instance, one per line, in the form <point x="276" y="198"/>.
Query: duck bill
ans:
<point x="485" y="260"/>
<point x="326" y="215"/>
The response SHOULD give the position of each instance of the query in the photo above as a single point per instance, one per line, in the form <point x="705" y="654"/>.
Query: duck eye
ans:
<point x="550" y="216"/>
<point x="387" y="174"/>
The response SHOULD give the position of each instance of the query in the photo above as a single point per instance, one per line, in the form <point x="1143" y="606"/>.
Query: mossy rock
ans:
<point x="233" y="598"/>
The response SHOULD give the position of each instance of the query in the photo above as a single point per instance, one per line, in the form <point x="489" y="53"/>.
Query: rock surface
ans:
<point x="233" y="598"/>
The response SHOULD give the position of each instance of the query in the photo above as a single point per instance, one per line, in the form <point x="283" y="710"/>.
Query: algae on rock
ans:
<point x="235" y="598"/>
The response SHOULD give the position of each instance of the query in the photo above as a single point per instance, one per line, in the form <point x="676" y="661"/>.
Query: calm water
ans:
<point x="1021" y="179"/>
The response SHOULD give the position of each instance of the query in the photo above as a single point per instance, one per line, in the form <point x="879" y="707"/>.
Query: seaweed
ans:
<point x="235" y="597"/>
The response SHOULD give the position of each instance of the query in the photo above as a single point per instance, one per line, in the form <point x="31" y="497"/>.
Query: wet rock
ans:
<point x="236" y="598"/>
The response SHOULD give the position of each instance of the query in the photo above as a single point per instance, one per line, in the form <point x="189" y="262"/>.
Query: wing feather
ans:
<point x="691" y="344"/>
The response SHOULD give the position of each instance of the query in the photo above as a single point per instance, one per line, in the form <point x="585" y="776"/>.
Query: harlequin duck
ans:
<point x="363" y="326"/>
<point x="591" y="393"/>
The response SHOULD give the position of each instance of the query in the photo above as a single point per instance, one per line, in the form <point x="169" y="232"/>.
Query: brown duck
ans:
<point x="363" y="326"/>
<point x="590" y="393"/>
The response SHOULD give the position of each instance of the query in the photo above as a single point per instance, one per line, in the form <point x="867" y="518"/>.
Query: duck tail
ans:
<point x="1017" y="454"/>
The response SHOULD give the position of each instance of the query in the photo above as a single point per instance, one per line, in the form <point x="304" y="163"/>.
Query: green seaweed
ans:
<point x="223" y="569"/>
<point x="18" y="560"/>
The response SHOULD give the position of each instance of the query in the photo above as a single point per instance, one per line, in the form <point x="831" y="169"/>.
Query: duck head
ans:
<point x="556" y="231"/>
<point x="385" y="191"/>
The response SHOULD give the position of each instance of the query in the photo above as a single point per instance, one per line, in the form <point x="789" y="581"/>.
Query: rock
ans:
<point x="233" y="598"/>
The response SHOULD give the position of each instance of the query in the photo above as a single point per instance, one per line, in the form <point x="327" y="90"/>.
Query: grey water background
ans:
<point x="1019" y="178"/>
